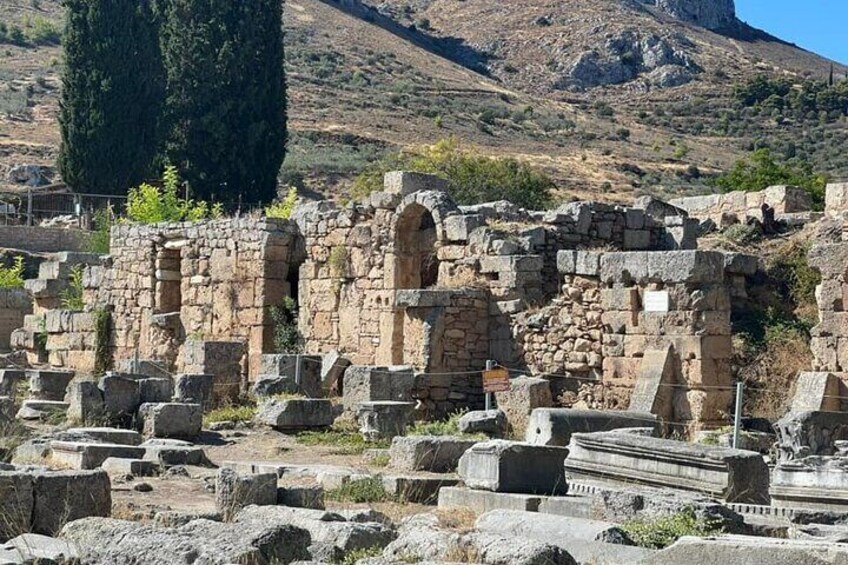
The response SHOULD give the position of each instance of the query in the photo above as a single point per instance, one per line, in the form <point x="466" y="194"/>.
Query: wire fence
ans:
<point x="37" y="205"/>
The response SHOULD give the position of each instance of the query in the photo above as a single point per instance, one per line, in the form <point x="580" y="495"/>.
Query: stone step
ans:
<point x="110" y="435"/>
<point x="79" y="455"/>
<point x="49" y="385"/>
<point x="40" y="409"/>
<point x="171" y="452"/>
<point x="126" y="466"/>
<point x="480" y="501"/>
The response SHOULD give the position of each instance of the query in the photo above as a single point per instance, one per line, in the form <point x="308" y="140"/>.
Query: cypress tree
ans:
<point x="226" y="101"/>
<point x="112" y="95"/>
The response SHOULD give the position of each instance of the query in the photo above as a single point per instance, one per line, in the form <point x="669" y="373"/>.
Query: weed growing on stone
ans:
<point x="381" y="461"/>
<point x="357" y="555"/>
<point x="235" y="414"/>
<point x="659" y="533"/>
<point x="359" y="491"/>
<point x="449" y="427"/>
<point x="343" y="442"/>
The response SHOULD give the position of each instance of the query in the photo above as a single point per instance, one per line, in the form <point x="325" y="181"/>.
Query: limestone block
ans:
<point x="567" y="262"/>
<point x="383" y="419"/>
<point x="301" y="496"/>
<point x="286" y="366"/>
<point x="506" y="466"/>
<point x="525" y="395"/>
<point x="170" y="452"/>
<point x="137" y="467"/>
<point x="428" y="453"/>
<point x="295" y="414"/>
<point x="108" y="435"/>
<point x="7" y="409"/>
<point x="333" y="367"/>
<point x="195" y="389"/>
<point x="652" y="393"/>
<point x="417" y="489"/>
<point x="405" y="183"/>
<point x="85" y="401"/>
<point x="364" y="384"/>
<point x="817" y="392"/>
<point x="554" y="426"/>
<point x="686" y="266"/>
<point x="9" y="379"/>
<point x="16" y="501"/>
<point x="155" y="390"/>
<point x="836" y="199"/>
<point x="40" y="409"/>
<point x="171" y="420"/>
<point x="626" y="268"/>
<point x="120" y="396"/>
<point x="749" y="550"/>
<point x="48" y="385"/>
<point x="269" y="385"/>
<point x="60" y="497"/>
<point x="493" y="423"/>
<point x="234" y="492"/>
<point x="806" y="434"/>
<point x="79" y="455"/>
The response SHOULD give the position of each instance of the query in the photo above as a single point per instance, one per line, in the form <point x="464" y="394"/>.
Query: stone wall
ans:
<point x="15" y="304"/>
<point x="204" y="281"/>
<point x="735" y="207"/>
<point x="37" y="239"/>
<point x="829" y="339"/>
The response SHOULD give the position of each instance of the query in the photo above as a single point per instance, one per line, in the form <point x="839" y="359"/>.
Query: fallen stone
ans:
<point x="301" y="497"/>
<point x="332" y="537"/>
<point x="296" y="415"/>
<point x="480" y="501"/>
<point x="155" y="390"/>
<point x="803" y="434"/>
<point x="493" y="423"/>
<point x="40" y="409"/>
<point x="383" y="419"/>
<point x="48" y="385"/>
<point x="505" y="466"/>
<point x="37" y="549"/>
<point x="60" y="497"/>
<point x="194" y="389"/>
<point x="525" y="395"/>
<point x="547" y="527"/>
<point x="285" y="365"/>
<point x="171" y="420"/>
<point x="103" y="540"/>
<point x="171" y="452"/>
<point x="234" y="492"/>
<point x="272" y="386"/>
<point x="114" y="436"/>
<point x="9" y="379"/>
<point x="120" y="396"/>
<point x="367" y="384"/>
<point x="77" y="455"/>
<point x="85" y="402"/>
<point x="333" y="367"/>
<point x="136" y="467"/>
<point x="621" y="457"/>
<point x="554" y="426"/>
<point x="16" y="501"/>
<point x="750" y="551"/>
<point x="7" y="409"/>
<point x="437" y="454"/>
<point x="417" y="489"/>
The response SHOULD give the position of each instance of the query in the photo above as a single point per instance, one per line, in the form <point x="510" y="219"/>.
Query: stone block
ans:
<point x="364" y="384"/>
<point x="16" y="500"/>
<point x="120" y="396"/>
<point x="689" y="266"/>
<point x="7" y="409"/>
<point x="286" y="366"/>
<point x="836" y="199"/>
<point x="652" y="393"/>
<point x="416" y="489"/>
<point x="405" y="183"/>
<point x="804" y="434"/>
<point x="506" y="466"/>
<point x="493" y="423"/>
<point x="333" y="367"/>
<point x="567" y="262"/>
<point x="428" y="453"/>
<point x="269" y="385"/>
<point x="234" y="492"/>
<point x="296" y="414"/>
<point x="554" y="426"/>
<point x="152" y="390"/>
<point x="48" y="385"/>
<point x="171" y="420"/>
<point x="137" y="467"/>
<point x="35" y="548"/>
<point x="621" y="457"/>
<point x="749" y="550"/>
<point x="9" y="379"/>
<point x="60" y="497"/>
<point x="83" y="456"/>
<point x="383" y="419"/>
<point x="171" y="452"/>
<point x="625" y="268"/>
<point x="816" y="392"/>
<point x="85" y="402"/>
<point x="40" y="409"/>
<point x="195" y="389"/>
<point x="525" y="395"/>
<point x="480" y="501"/>
<point x="301" y="496"/>
<point x="115" y="436"/>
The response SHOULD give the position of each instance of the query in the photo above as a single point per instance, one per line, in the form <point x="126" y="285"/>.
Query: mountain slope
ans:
<point x="521" y="78"/>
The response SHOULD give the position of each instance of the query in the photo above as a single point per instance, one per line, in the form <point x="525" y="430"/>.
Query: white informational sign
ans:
<point x="656" y="301"/>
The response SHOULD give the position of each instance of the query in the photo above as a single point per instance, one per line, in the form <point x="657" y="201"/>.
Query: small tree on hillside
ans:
<point x="112" y="95"/>
<point x="226" y="105"/>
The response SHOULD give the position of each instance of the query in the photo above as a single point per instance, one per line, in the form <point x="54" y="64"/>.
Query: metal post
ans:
<point x="297" y="370"/>
<point x="29" y="207"/>
<point x="737" y="419"/>
<point x="490" y="365"/>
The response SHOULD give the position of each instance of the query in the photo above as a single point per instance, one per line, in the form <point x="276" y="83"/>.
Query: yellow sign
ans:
<point x="496" y="380"/>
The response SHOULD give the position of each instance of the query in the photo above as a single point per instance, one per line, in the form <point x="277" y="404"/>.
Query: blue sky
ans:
<point x="816" y="25"/>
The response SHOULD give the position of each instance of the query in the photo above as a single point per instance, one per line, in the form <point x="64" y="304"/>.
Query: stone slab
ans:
<point x="750" y="551"/>
<point x="416" y="488"/>
<point x="817" y="392"/>
<point x="171" y="420"/>
<point x="115" y="436"/>
<point x="124" y="466"/>
<point x="505" y="466"/>
<point x="77" y="455"/>
<point x="428" y="453"/>
<point x="480" y="501"/>
<point x="554" y="426"/>
<point x="296" y="415"/>
<point x="40" y="409"/>
<point x="651" y="394"/>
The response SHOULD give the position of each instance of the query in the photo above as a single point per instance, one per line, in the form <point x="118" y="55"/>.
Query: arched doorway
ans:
<point x="416" y="239"/>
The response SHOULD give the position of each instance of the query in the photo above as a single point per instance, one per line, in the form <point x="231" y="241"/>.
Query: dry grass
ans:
<point x="460" y="520"/>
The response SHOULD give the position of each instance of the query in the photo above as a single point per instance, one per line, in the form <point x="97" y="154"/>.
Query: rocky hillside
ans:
<point x="611" y="97"/>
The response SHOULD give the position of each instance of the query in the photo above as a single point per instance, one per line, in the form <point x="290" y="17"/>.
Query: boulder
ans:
<point x="507" y="466"/>
<point x="428" y="453"/>
<point x="493" y="423"/>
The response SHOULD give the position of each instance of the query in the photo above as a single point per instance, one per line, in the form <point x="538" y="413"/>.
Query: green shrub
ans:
<point x="359" y="491"/>
<point x="284" y="209"/>
<point x="472" y="178"/>
<point x="12" y="277"/>
<point x="238" y="414"/>
<point x="449" y="427"/>
<point x="148" y="204"/>
<point x="742" y="233"/>
<point x="44" y="32"/>
<point x="353" y="557"/>
<point x="72" y="297"/>
<point x="659" y="533"/>
<point x="342" y="442"/>
<point x="287" y="338"/>
<point x="100" y="240"/>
